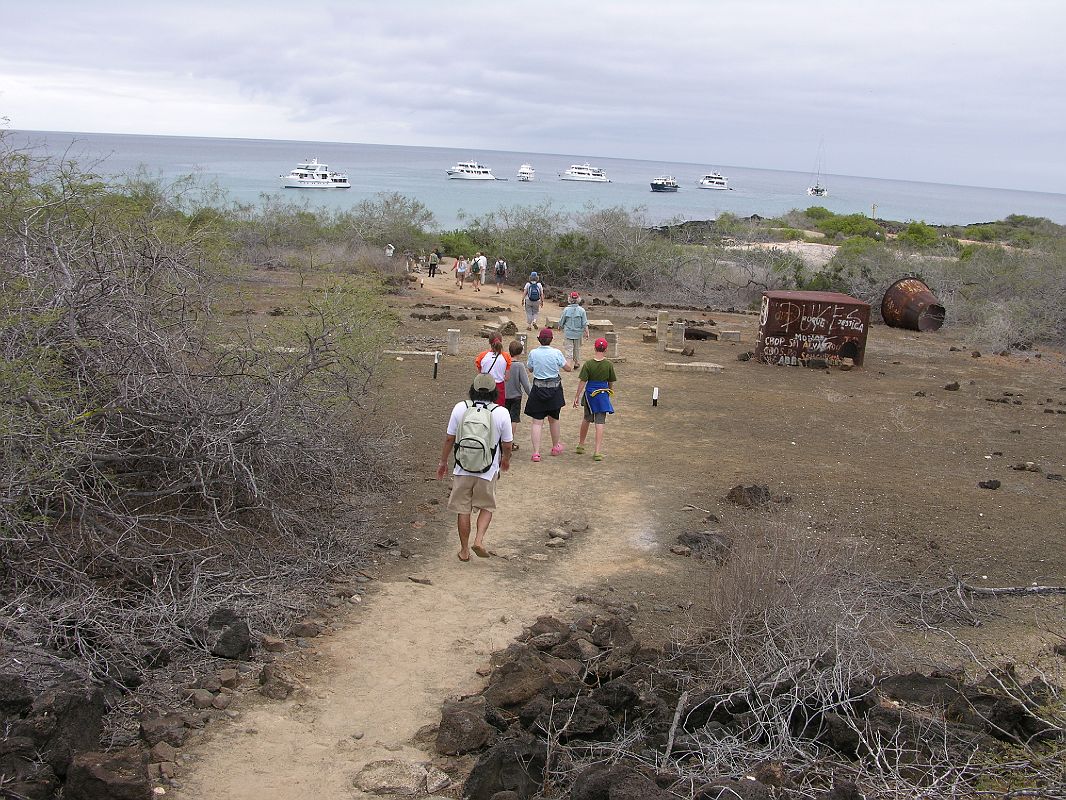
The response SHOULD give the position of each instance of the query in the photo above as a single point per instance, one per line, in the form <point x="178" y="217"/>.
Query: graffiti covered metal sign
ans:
<point x="798" y="328"/>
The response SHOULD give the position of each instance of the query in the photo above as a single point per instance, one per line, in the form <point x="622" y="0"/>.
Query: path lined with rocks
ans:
<point x="384" y="675"/>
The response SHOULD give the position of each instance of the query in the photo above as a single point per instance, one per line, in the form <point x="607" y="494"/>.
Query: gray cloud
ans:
<point x="960" y="92"/>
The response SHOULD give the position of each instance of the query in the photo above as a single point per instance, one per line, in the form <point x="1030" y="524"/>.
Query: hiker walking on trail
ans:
<point x="499" y="270"/>
<point x="515" y="385"/>
<point x="476" y="268"/>
<point x="434" y="261"/>
<point x="460" y="271"/>
<point x="597" y="378"/>
<point x="495" y="362"/>
<point x="532" y="297"/>
<point x="546" y="397"/>
<point x="574" y="323"/>
<point x="479" y="437"/>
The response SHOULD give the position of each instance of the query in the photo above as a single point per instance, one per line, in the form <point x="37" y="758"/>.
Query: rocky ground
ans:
<point x="890" y="457"/>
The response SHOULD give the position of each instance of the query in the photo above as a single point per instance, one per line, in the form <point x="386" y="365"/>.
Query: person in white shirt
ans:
<point x="472" y="490"/>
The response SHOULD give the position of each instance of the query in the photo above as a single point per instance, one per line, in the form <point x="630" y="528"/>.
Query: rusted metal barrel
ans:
<point x="910" y="304"/>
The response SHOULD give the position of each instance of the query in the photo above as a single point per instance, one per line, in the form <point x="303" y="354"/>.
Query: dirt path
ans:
<point x="882" y="456"/>
<point x="386" y="672"/>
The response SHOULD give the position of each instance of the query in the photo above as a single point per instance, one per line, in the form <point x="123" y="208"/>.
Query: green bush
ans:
<point x="847" y="225"/>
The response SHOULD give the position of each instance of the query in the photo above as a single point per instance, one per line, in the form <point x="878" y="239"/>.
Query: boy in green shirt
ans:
<point x="596" y="378"/>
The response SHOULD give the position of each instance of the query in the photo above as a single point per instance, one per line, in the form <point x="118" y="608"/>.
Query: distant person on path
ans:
<point x="546" y="397"/>
<point x="475" y="271"/>
<point x="495" y="362"/>
<point x="460" y="271"/>
<point x="516" y="384"/>
<point x="574" y="323"/>
<point x="389" y="250"/>
<point x="472" y="490"/>
<point x="483" y="265"/>
<point x="597" y="378"/>
<point x="434" y="262"/>
<point x="499" y="270"/>
<point x="532" y="298"/>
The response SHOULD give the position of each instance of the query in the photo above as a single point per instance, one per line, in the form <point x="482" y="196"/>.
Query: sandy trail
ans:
<point x="385" y="672"/>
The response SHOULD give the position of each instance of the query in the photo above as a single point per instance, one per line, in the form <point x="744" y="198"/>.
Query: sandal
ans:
<point x="513" y="447"/>
<point x="597" y="457"/>
<point x="536" y="457"/>
<point x="579" y="449"/>
<point x="480" y="551"/>
<point x="557" y="449"/>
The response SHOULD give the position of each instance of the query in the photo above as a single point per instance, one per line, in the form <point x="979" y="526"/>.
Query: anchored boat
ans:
<point x="583" y="172"/>
<point x="313" y="175"/>
<point x="471" y="171"/>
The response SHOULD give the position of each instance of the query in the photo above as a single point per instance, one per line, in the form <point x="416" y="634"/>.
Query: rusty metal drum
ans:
<point x="910" y="304"/>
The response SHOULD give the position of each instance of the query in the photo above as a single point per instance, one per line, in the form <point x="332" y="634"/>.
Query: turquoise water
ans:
<point x="249" y="168"/>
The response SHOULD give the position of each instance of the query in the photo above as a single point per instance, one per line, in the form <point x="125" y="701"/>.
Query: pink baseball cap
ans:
<point x="600" y="344"/>
<point x="574" y="295"/>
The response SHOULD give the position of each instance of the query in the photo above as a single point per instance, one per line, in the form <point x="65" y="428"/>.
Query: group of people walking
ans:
<point x="477" y="269"/>
<point x="481" y="430"/>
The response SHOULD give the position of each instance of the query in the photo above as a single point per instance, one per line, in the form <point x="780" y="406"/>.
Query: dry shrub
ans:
<point x="159" y="460"/>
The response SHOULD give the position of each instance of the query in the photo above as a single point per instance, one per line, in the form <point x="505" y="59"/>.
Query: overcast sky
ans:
<point x="950" y="91"/>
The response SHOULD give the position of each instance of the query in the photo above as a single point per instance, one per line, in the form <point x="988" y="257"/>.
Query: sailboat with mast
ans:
<point x="816" y="189"/>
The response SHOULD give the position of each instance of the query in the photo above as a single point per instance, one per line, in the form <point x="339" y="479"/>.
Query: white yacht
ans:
<point x="471" y="171"/>
<point x="714" y="180"/>
<point x="526" y="173"/>
<point x="583" y="172"/>
<point x="313" y="175"/>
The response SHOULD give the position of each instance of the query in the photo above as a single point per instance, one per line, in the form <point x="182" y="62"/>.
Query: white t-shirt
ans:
<point x="501" y="419"/>
<point x="494" y="364"/>
<point x="483" y="262"/>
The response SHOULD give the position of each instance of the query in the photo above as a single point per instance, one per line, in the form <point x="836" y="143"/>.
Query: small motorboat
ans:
<point x="666" y="183"/>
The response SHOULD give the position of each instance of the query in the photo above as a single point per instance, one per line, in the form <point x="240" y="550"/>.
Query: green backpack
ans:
<point x="474" y="449"/>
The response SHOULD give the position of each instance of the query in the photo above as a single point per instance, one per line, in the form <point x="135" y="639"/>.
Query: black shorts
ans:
<point x="545" y="401"/>
<point x="514" y="407"/>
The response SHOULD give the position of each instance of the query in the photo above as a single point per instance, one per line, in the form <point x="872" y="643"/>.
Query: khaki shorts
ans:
<point x="469" y="493"/>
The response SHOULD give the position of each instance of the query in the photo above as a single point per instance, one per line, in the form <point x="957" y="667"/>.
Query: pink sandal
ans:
<point x="557" y="449"/>
<point x="536" y="457"/>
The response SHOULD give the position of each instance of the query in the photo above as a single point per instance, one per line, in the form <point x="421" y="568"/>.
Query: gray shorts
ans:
<point x="599" y="417"/>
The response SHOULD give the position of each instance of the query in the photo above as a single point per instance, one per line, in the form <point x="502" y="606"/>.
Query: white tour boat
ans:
<point x="583" y="172"/>
<point x="526" y="173"/>
<point x="471" y="171"/>
<point x="714" y="180"/>
<point x="313" y="175"/>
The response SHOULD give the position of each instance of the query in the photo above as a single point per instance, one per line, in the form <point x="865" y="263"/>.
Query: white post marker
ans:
<point x="655" y="396"/>
<point x="436" y="363"/>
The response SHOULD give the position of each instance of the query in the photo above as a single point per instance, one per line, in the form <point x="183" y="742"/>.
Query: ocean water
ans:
<point x="248" y="169"/>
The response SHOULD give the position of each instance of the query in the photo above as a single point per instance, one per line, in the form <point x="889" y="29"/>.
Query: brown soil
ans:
<point x="860" y="455"/>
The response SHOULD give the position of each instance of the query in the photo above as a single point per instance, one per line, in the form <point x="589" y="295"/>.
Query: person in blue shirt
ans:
<point x="574" y="323"/>
<point x="546" y="397"/>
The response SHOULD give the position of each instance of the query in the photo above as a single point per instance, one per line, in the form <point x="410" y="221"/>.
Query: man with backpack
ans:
<point x="532" y="297"/>
<point x="575" y="324"/>
<point x="479" y="437"/>
<point x="500" y="271"/>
